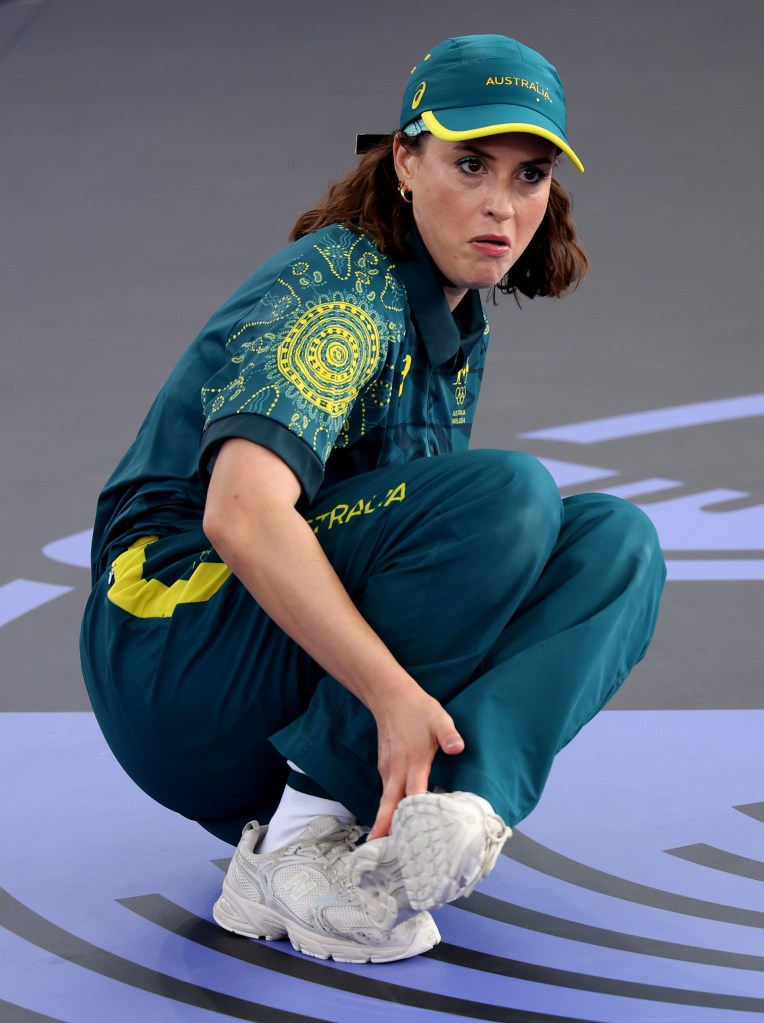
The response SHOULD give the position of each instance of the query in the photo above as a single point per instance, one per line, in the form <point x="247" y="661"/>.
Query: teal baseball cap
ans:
<point x="469" y="87"/>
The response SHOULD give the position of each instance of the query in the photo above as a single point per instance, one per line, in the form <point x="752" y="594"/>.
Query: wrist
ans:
<point x="394" y="692"/>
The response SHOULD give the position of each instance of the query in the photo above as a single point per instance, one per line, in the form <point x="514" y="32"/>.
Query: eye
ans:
<point x="471" y="164"/>
<point x="533" y="175"/>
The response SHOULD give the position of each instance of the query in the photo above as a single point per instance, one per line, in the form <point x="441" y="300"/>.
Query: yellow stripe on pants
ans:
<point x="151" y="598"/>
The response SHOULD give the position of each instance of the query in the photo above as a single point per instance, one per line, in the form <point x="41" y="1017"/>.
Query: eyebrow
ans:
<point x="467" y="147"/>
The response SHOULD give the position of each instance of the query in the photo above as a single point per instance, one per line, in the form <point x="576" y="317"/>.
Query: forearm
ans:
<point x="252" y="521"/>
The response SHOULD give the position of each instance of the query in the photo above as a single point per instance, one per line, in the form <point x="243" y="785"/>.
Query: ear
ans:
<point x="404" y="160"/>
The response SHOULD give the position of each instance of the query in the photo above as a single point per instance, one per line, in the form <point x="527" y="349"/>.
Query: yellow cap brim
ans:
<point x="440" y="131"/>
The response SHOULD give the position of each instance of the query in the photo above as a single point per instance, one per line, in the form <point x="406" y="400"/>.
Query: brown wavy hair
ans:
<point x="367" y="201"/>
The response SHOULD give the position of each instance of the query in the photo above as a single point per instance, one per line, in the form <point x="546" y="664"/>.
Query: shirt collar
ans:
<point x="442" y="333"/>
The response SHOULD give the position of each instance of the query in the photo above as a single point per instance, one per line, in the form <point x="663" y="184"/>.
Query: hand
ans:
<point x="410" y="732"/>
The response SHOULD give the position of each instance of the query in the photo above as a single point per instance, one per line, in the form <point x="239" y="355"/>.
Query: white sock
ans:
<point x="486" y="806"/>
<point x="293" y="815"/>
<point x="481" y="801"/>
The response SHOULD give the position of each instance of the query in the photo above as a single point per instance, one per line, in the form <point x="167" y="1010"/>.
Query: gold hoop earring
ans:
<point x="403" y="194"/>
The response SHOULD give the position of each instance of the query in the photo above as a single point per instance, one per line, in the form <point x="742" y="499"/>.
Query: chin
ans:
<point x="484" y="277"/>
<point x="489" y="281"/>
<point x="492" y="276"/>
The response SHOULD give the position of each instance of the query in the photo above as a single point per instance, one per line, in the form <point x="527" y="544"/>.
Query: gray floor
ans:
<point x="154" y="152"/>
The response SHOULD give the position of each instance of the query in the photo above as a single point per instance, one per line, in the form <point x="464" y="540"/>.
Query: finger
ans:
<point x="381" y="826"/>
<point x="451" y="742"/>
<point x="391" y="796"/>
<point x="417" y="781"/>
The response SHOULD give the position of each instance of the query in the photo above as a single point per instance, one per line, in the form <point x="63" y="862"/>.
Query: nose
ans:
<point x="499" y="204"/>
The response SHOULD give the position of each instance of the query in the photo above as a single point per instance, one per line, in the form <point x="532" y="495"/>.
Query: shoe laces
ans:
<point x="339" y="842"/>
<point x="335" y="847"/>
<point x="336" y="843"/>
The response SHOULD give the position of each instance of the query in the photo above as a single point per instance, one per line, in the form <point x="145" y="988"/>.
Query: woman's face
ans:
<point x="477" y="204"/>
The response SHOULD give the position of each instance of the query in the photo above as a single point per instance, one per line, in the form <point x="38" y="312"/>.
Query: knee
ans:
<point x="526" y="497"/>
<point x="624" y="534"/>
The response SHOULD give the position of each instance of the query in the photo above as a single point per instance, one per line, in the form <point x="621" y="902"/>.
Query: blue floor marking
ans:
<point x="633" y="785"/>
<point x="20" y="596"/>
<point x="637" y="424"/>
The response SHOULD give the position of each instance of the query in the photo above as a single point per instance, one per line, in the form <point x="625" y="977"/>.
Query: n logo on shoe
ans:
<point x="299" y="885"/>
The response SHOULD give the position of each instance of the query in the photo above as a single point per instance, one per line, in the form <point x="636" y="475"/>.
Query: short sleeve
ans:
<point x="297" y="363"/>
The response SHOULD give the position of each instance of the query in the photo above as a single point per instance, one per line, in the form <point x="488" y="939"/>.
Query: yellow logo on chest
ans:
<point x="459" y="414"/>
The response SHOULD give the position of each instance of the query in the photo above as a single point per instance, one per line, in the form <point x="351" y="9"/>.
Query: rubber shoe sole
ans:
<point x="439" y="848"/>
<point x="250" y="920"/>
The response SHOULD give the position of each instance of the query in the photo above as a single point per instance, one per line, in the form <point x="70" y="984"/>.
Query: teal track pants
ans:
<point x="521" y="612"/>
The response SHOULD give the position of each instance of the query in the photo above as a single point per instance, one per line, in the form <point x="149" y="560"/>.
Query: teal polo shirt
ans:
<point x="330" y="355"/>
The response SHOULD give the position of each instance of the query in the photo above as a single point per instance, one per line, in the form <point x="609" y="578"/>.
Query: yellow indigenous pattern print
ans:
<point x="317" y="353"/>
<point x="329" y="354"/>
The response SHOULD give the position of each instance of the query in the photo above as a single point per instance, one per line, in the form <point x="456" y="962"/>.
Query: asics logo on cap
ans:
<point x="418" y="96"/>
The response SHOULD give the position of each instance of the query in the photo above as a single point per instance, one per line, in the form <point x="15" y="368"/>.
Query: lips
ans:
<point x="495" y="245"/>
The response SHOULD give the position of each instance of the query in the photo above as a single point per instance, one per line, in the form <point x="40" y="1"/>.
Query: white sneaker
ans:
<point x="303" y="892"/>
<point x="440" y="846"/>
